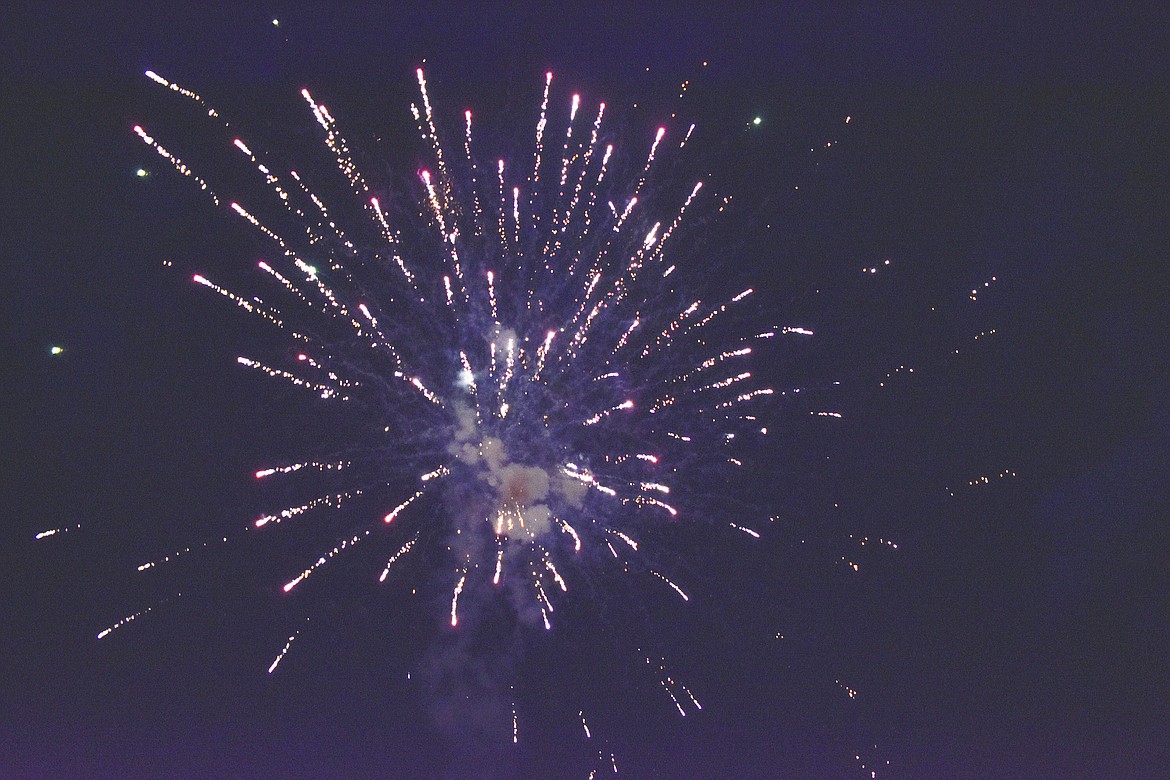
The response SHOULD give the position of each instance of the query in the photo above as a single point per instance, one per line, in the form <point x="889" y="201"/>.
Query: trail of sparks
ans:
<point x="673" y="688"/>
<point x="283" y="651"/>
<point x="394" y="558"/>
<point x="56" y="531"/>
<point x="455" y="600"/>
<point x="128" y="619"/>
<point x="179" y="553"/>
<point x="267" y="472"/>
<point x="337" y="550"/>
<point x="515" y="722"/>
<point x="673" y="586"/>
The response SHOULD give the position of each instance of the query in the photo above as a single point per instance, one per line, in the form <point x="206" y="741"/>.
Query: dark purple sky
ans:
<point x="1019" y="631"/>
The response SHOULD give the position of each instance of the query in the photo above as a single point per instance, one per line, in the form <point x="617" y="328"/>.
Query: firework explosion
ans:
<point x="555" y="405"/>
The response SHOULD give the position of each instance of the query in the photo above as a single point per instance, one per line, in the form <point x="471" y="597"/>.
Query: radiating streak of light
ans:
<point x="55" y="531"/>
<point x="130" y="619"/>
<point x="332" y="500"/>
<point x="178" y="553"/>
<point x="455" y="600"/>
<point x="403" y="550"/>
<point x="632" y="544"/>
<point x="499" y="566"/>
<point x="283" y="651"/>
<point x="573" y="533"/>
<point x="267" y="472"/>
<point x="671" y="583"/>
<point x="251" y="307"/>
<point x="393" y="513"/>
<point x="337" y="550"/>
<point x="747" y="531"/>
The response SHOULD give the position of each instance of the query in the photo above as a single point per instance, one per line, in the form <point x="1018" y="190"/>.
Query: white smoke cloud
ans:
<point x="519" y="492"/>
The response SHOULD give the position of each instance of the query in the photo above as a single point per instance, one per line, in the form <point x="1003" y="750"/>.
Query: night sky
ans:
<point x="1020" y="629"/>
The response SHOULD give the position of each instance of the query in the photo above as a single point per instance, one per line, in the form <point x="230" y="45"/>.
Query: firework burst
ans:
<point x="556" y="399"/>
